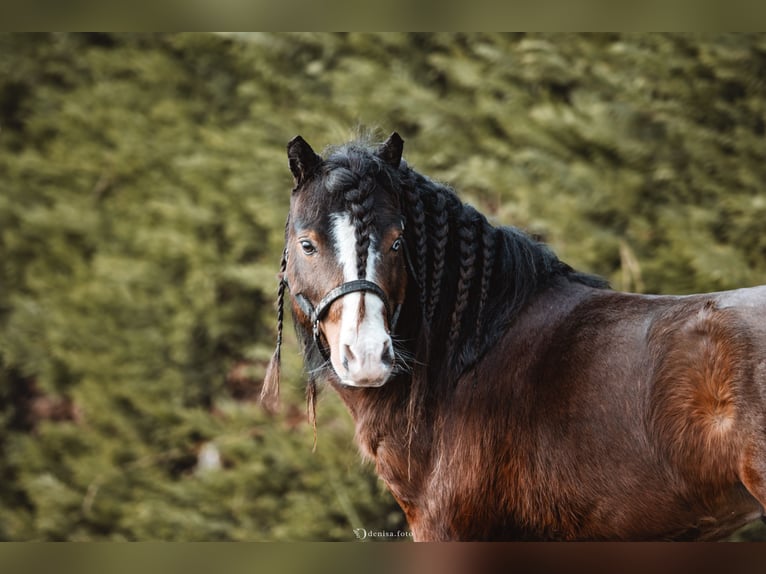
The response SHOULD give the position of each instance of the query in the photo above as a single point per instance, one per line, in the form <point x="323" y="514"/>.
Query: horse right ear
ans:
<point x="302" y="159"/>
<point x="391" y="150"/>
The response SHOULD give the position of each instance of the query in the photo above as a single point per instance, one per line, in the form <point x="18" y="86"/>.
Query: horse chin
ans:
<point x="364" y="383"/>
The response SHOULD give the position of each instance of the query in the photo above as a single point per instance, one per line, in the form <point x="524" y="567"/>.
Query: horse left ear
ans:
<point x="391" y="150"/>
<point x="302" y="159"/>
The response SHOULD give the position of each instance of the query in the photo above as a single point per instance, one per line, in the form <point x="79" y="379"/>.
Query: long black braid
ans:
<point x="360" y="202"/>
<point x="417" y="221"/>
<point x="439" y="229"/>
<point x="270" y="388"/>
<point x="466" y="233"/>
<point x="487" y="265"/>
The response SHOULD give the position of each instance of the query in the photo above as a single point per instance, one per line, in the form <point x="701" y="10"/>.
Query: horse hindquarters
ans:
<point x="750" y="306"/>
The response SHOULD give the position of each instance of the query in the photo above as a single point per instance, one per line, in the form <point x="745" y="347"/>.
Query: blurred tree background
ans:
<point x="142" y="201"/>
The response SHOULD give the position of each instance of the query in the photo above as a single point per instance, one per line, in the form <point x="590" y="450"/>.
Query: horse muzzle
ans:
<point x="367" y="362"/>
<point x="361" y="354"/>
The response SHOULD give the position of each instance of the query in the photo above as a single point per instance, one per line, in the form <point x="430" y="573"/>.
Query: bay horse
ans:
<point x="501" y="394"/>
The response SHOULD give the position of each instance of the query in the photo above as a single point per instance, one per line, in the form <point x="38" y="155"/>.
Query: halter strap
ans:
<point x="315" y="314"/>
<point x="351" y="287"/>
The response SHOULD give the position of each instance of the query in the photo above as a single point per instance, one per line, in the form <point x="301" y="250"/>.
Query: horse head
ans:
<point x="345" y="257"/>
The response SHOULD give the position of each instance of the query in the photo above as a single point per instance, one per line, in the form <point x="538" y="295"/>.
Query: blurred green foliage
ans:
<point x="142" y="203"/>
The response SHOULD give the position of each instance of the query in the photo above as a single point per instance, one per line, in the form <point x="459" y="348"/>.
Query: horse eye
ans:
<point x="308" y="247"/>
<point x="397" y="244"/>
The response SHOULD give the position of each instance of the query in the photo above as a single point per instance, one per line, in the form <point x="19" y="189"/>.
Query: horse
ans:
<point x="502" y="394"/>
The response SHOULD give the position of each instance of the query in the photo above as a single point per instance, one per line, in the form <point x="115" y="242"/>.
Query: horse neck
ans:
<point x="456" y="308"/>
<point x="383" y="420"/>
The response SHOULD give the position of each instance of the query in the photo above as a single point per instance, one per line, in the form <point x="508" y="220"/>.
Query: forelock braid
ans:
<point x="466" y="233"/>
<point x="360" y="203"/>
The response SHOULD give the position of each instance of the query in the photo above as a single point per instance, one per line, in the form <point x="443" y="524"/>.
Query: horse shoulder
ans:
<point x="522" y="452"/>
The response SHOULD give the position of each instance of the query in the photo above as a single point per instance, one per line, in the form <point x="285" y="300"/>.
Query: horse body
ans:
<point x="584" y="414"/>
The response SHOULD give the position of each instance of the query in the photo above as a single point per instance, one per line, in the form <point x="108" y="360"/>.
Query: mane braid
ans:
<point x="417" y="221"/>
<point x="439" y="233"/>
<point x="487" y="264"/>
<point x="466" y="233"/>
<point x="416" y="226"/>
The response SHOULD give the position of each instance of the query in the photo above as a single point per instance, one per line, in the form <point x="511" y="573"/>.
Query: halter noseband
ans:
<point x="315" y="314"/>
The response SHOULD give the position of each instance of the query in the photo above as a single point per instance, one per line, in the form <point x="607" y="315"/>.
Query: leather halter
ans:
<point x="316" y="314"/>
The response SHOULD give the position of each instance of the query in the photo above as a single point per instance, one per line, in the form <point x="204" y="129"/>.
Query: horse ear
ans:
<point x="302" y="159"/>
<point x="391" y="150"/>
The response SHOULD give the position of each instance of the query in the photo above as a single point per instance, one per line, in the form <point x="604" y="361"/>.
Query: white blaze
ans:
<point x="367" y="339"/>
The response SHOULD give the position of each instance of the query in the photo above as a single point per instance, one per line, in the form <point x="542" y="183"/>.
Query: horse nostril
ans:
<point x="387" y="356"/>
<point x="348" y="354"/>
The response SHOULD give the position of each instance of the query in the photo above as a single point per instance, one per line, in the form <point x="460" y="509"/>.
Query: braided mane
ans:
<point x="474" y="278"/>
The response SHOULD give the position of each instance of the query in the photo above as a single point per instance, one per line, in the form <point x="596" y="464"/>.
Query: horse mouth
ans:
<point x="364" y="383"/>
